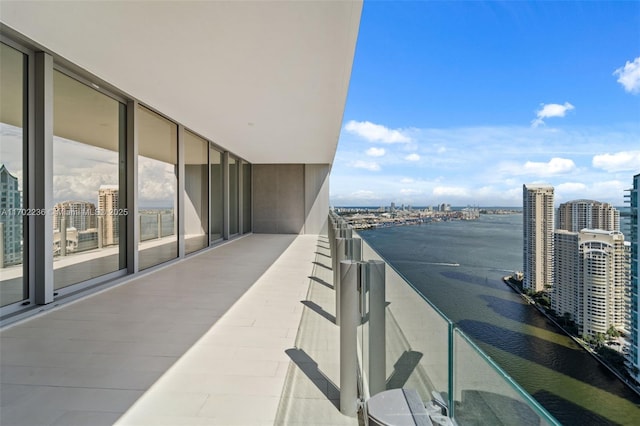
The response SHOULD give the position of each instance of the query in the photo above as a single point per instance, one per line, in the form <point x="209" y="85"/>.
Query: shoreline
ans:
<point x="584" y="346"/>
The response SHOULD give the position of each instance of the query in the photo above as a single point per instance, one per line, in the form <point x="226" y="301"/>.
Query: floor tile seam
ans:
<point x="126" y="282"/>
<point x="256" y="291"/>
<point x="260" y="280"/>
<point x="43" y="385"/>
<point x="175" y="369"/>
<point x="260" y="285"/>
<point x="87" y="366"/>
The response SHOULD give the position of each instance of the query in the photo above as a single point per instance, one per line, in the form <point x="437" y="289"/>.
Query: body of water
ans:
<point x="459" y="266"/>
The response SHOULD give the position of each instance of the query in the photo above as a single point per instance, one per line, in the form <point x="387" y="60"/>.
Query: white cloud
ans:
<point x="490" y="163"/>
<point x="570" y="191"/>
<point x="610" y="191"/>
<point x="157" y="181"/>
<point x="376" y="132"/>
<point x="80" y="169"/>
<point x="367" y="165"/>
<point x="618" y="162"/>
<point x="454" y="191"/>
<point x="364" y="195"/>
<point x="412" y="157"/>
<point x="629" y="76"/>
<point x="407" y="191"/>
<point x="376" y="152"/>
<point x="442" y="150"/>
<point x="570" y="187"/>
<point x="555" y="166"/>
<point x="551" y="110"/>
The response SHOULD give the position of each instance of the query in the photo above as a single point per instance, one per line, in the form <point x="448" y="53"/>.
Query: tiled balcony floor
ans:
<point x="214" y="339"/>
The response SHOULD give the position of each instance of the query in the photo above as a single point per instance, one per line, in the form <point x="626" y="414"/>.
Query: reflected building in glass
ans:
<point x="10" y="219"/>
<point x="108" y="218"/>
<point x="80" y="215"/>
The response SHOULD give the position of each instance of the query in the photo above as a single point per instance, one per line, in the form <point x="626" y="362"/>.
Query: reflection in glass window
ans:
<point x="12" y="103"/>
<point x="246" y="198"/>
<point x="233" y="196"/>
<point x="196" y="208"/>
<point x="157" y="188"/>
<point x="216" y="190"/>
<point x="88" y="171"/>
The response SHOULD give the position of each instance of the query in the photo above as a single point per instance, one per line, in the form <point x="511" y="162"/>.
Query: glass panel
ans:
<point x="246" y="198"/>
<point x="484" y="394"/>
<point x="196" y="207"/>
<point x="420" y="341"/>
<point x="417" y="338"/>
<point x="216" y="188"/>
<point x="157" y="188"/>
<point x="233" y="196"/>
<point x="12" y="105"/>
<point x="88" y="167"/>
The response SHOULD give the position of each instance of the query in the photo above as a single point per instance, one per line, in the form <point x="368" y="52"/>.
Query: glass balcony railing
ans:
<point x="427" y="352"/>
<point x="156" y="224"/>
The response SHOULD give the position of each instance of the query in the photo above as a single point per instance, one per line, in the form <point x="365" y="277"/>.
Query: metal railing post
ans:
<point x="350" y="272"/>
<point x="354" y="249"/>
<point x="340" y="255"/>
<point x="375" y="277"/>
<point x="346" y="249"/>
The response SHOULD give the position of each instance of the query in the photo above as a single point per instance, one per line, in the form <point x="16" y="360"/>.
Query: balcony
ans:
<point x="231" y="335"/>
<point x="243" y="333"/>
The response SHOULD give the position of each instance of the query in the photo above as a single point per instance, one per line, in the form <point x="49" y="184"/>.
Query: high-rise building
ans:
<point x="591" y="275"/>
<point x="581" y="214"/>
<point x="537" y="232"/>
<point x="634" y="326"/>
<point x="10" y="219"/>
<point x="108" y="207"/>
<point x="604" y="267"/>
<point x="566" y="294"/>
<point x="80" y="215"/>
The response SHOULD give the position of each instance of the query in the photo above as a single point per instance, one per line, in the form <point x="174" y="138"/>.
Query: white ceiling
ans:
<point x="266" y="80"/>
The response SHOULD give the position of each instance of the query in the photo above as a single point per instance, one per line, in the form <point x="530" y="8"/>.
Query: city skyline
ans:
<point x="521" y="92"/>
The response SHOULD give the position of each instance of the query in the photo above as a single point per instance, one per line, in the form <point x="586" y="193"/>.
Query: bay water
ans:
<point x="458" y="265"/>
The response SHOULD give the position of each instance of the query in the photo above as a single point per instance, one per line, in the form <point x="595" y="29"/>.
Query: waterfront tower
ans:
<point x="634" y="328"/>
<point x="566" y="294"/>
<point x="591" y="275"/>
<point x="604" y="270"/>
<point x="537" y="232"/>
<point x="581" y="214"/>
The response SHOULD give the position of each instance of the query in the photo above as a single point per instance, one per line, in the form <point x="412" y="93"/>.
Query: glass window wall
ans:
<point x="196" y="189"/>
<point x="216" y="193"/>
<point x="157" y="188"/>
<point x="88" y="179"/>
<point x="13" y="65"/>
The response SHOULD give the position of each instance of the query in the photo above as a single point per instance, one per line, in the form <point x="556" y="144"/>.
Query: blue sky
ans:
<point x="464" y="102"/>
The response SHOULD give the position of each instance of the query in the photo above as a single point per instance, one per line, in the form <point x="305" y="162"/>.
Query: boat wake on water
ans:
<point x="414" y="262"/>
